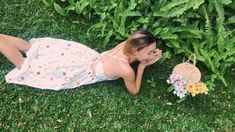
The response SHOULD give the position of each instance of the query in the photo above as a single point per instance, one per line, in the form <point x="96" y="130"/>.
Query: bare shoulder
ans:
<point x="126" y="71"/>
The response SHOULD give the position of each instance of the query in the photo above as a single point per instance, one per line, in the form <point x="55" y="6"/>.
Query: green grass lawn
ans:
<point x="103" y="106"/>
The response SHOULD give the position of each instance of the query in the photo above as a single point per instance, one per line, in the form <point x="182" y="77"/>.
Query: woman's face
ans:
<point x="146" y="54"/>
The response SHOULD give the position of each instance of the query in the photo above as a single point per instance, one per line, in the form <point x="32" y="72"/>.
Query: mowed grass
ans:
<point x="105" y="106"/>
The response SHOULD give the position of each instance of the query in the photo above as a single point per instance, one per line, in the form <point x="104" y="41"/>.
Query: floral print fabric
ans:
<point x="55" y="64"/>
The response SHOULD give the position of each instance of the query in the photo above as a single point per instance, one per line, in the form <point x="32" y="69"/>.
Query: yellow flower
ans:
<point x="204" y="89"/>
<point x="197" y="88"/>
<point x="190" y="86"/>
<point x="193" y="94"/>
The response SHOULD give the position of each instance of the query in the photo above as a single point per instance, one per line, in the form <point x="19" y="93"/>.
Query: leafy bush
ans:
<point x="203" y="27"/>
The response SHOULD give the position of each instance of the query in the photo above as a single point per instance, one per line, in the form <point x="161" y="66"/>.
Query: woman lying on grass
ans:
<point x="61" y="64"/>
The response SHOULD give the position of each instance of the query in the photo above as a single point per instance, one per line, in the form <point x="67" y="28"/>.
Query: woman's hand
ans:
<point x="156" y="55"/>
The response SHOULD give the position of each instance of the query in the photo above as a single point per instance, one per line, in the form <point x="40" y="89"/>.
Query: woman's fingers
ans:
<point x="157" y="51"/>
<point x="157" y="54"/>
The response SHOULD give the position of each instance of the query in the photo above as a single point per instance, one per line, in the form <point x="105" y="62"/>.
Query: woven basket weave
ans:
<point x="188" y="71"/>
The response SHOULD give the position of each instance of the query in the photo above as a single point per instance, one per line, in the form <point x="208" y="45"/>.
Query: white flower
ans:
<point x="172" y="76"/>
<point x="168" y="81"/>
<point x="181" y="95"/>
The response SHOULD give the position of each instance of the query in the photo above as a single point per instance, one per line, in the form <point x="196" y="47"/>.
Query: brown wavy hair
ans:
<point x="138" y="40"/>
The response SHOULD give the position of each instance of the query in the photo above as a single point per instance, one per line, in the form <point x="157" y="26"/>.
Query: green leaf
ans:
<point x="221" y="40"/>
<point x="173" y="4"/>
<point x="231" y="20"/>
<point x="143" y="20"/>
<point x="225" y="55"/>
<point x="196" y="47"/>
<point x="132" y="5"/>
<point x="226" y="2"/>
<point x="176" y="12"/>
<point x="209" y="62"/>
<point x="157" y="31"/>
<point x="103" y="29"/>
<point x="232" y="60"/>
<point x="114" y="22"/>
<point x="185" y="49"/>
<point x="71" y="2"/>
<point x="174" y="43"/>
<point x="46" y="2"/>
<point x="220" y="25"/>
<point x="171" y="88"/>
<point x="80" y="6"/>
<point x="113" y="6"/>
<point x="182" y="99"/>
<point x="70" y="8"/>
<point x="123" y="19"/>
<point x="121" y="30"/>
<point x="205" y="55"/>
<point x="223" y="80"/>
<point x="220" y="10"/>
<point x="107" y="38"/>
<point x="76" y="22"/>
<point x="59" y="9"/>
<point x="97" y="25"/>
<point x="197" y="3"/>
<point x="166" y="55"/>
<point x="179" y="10"/>
<point x="208" y="33"/>
<point x="168" y="36"/>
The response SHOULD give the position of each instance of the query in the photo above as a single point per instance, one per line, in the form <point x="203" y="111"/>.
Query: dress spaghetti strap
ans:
<point x="112" y="55"/>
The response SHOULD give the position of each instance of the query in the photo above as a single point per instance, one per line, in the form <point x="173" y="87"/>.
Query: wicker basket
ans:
<point x="188" y="71"/>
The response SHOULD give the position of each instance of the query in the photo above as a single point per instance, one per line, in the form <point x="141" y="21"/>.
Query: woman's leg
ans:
<point x="11" y="51"/>
<point x="19" y="43"/>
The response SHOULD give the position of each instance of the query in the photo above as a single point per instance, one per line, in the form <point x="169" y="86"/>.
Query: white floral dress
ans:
<point x="55" y="64"/>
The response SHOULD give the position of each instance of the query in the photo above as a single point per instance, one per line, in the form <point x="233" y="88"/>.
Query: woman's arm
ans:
<point x="133" y="83"/>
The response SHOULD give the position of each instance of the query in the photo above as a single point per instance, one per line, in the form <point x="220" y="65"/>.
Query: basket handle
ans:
<point x="192" y="57"/>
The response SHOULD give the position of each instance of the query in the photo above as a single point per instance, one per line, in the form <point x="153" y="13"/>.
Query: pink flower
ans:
<point x="182" y="82"/>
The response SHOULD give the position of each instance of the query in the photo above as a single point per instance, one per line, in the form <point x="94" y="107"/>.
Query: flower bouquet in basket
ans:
<point x="185" y="80"/>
